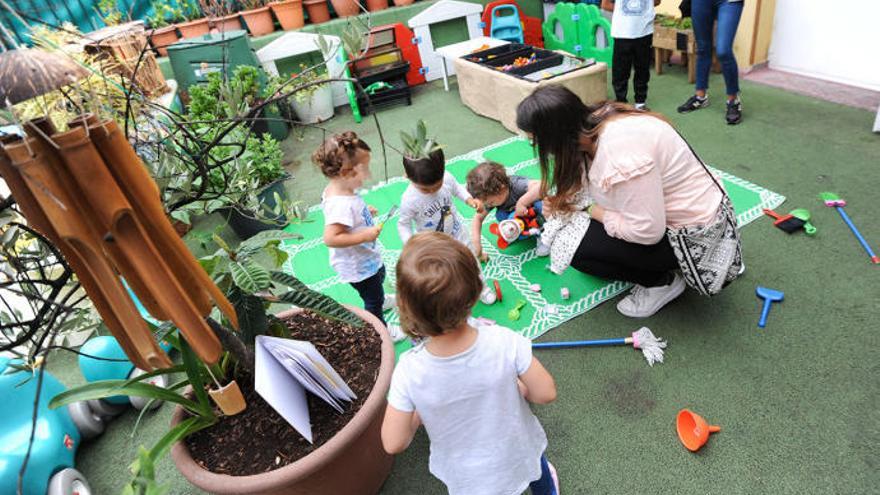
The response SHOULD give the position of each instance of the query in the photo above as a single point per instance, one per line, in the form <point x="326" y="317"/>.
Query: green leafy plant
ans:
<point x="109" y="11"/>
<point x="417" y="145"/>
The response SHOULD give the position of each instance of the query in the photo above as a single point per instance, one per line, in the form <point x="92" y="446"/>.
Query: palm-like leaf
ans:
<point x="306" y="298"/>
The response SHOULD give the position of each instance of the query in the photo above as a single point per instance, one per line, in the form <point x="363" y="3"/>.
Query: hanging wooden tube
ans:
<point x="128" y="243"/>
<point x="141" y="191"/>
<point x="31" y="172"/>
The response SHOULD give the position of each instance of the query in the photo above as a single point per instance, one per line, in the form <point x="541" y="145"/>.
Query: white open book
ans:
<point x="286" y="369"/>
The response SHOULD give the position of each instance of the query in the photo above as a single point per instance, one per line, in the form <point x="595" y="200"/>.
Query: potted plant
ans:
<point x="244" y="450"/>
<point x="317" y="10"/>
<point x="314" y="102"/>
<point x="195" y="25"/>
<point x="418" y="149"/>
<point x="257" y="17"/>
<point x="222" y="14"/>
<point x="289" y="13"/>
<point x="162" y="34"/>
<point x="374" y="5"/>
<point x="346" y="8"/>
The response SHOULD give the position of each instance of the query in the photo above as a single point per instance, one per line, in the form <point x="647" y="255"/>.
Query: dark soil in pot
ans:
<point x="259" y="439"/>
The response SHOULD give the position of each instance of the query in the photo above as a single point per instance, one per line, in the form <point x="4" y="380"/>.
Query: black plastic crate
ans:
<point x="495" y="52"/>
<point x="382" y="73"/>
<point x="544" y="59"/>
<point x="400" y="93"/>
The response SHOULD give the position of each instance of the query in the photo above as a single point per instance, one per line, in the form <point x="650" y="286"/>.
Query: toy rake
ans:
<point x="651" y="346"/>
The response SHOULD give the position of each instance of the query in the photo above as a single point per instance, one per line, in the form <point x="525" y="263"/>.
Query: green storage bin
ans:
<point x="192" y="59"/>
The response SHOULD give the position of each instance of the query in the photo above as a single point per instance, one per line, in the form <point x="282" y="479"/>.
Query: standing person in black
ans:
<point x="632" y="27"/>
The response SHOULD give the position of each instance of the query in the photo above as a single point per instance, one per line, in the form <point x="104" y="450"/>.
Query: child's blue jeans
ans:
<point x="372" y="292"/>
<point x="543" y="485"/>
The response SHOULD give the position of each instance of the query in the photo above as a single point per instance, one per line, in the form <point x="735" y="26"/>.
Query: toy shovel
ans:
<point x="32" y="174"/>
<point x="142" y="193"/>
<point x="131" y="249"/>
<point x="804" y="214"/>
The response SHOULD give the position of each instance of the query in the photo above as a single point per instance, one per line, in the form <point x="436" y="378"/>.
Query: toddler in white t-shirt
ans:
<point x="349" y="230"/>
<point x="459" y="377"/>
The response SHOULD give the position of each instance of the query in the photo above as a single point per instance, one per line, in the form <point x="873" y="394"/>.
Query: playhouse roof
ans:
<point x="445" y="10"/>
<point x="293" y="43"/>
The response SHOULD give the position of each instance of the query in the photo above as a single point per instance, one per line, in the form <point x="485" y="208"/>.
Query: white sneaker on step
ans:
<point x="643" y="302"/>
<point x="396" y="333"/>
<point x="390" y="302"/>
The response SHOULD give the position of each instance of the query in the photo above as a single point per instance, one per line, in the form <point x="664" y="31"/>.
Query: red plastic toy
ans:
<point x="515" y="228"/>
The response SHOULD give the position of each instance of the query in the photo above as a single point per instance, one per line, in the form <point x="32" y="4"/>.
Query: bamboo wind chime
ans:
<point x="87" y="191"/>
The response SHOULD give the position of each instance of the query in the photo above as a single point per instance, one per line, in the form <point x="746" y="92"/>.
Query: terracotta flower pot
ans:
<point x="227" y="23"/>
<point x="353" y="462"/>
<point x="194" y="29"/>
<point x="374" y="5"/>
<point x="317" y="10"/>
<point x="346" y="8"/>
<point x="162" y="37"/>
<point x="399" y="3"/>
<point x="289" y="14"/>
<point x="259" y="21"/>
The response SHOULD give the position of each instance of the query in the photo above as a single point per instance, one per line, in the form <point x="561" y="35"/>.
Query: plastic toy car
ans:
<point x="58" y="433"/>
<point x="114" y="365"/>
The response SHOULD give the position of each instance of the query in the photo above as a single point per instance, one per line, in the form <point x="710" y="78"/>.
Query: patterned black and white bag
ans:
<point x="710" y="256"/>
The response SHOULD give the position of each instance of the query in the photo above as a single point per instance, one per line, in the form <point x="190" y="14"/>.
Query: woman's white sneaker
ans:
<point x="643" y="302"/>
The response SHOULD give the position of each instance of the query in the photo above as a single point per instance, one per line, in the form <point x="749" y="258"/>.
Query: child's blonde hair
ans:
<point x="438" y="283"/>
<point x="335" y="156"/>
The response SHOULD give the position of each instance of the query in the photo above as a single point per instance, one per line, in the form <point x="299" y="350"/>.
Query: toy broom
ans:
<point x="651" y="346"/>
<point x="787" y="223"/>
<point x="834" y="201"/>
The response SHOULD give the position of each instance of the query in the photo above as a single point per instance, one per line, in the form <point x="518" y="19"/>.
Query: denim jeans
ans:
<point x="372" y="292"/>
<point x="543" y="485"/>
<point x="704" y="13"/>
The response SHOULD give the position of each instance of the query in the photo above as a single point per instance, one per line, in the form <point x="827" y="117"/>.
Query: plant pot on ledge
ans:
<point x="289" y="14"/>
<point x="400" y="3"/>
<point x="346" y="8"/>
<point x="246" y="225"/>
<point x="351" y="462"/>
<point x="258" y="21"/>
<point x="162" y="37"/>
<point x="375" y="5"/>
<point x="227" y="23"/>
<point x="317" y="10"/>
<point x="194" y="29"/>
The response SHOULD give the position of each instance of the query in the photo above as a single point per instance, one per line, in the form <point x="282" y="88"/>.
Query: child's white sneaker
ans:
<point x="396" y="333"/>
<point x="390" y="302"/>
<point x="542" y="249"/>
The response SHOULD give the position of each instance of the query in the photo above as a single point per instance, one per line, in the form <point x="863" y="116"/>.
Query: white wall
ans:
<point x="835" y="40"/>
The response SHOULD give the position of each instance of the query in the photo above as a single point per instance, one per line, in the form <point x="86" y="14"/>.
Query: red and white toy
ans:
<point x="516" y="228"/>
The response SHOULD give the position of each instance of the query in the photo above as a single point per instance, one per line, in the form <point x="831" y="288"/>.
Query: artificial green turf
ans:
<point x="797" y="402"/>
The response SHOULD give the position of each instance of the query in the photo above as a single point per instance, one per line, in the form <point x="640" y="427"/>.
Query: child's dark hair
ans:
<point x="487" y="179"/>
<point x="438" y="284"/>
<point x="335" y="156"/>
<point x="425" y="171"/>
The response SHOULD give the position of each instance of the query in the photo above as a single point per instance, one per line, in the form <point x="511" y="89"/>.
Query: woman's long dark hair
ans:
<point x="558" y="120"/>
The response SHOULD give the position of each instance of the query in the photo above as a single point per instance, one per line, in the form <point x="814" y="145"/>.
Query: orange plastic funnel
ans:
<point x="693" y="431"/>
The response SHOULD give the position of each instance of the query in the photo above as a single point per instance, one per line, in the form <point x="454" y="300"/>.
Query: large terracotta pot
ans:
<point x="399" y="3"/>
<point x="318" y="11"/>
<point x="351" y="463"/>
<point x="194" y="29"/>
<point x="289" y="14"/>
<point x="346" y="8"/>
<point x="374" y="5"/>
<point x="259" y="21"/>
<point x="162" y="37"/>
<point x="227" y="23"/>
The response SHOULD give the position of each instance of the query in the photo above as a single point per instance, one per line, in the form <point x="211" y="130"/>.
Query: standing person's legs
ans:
<point x="548" y="483"/>
<point x="729" y="14"/>
<point x="703" y="14"/>
<point x="642" y="55"/>
<point x="621" y="66"/>
<point x="373" y="293"/>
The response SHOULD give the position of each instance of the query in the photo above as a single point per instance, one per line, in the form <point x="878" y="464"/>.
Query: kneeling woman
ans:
<point x="659" y="219"/>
